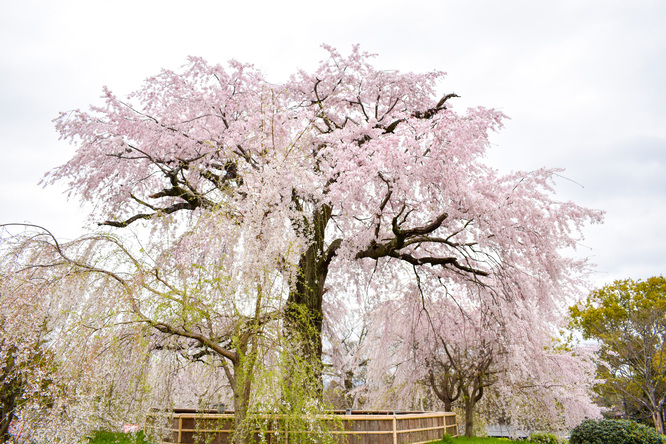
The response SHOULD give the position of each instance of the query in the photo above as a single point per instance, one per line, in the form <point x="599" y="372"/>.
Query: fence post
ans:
<point x="395" y="430"/>
<point x="180" y="428"/>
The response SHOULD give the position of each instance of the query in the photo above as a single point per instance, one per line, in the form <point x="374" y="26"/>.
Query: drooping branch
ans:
<point x="180" y="187"/>
<point x="443" y="261"/>
<point x="80" y="265"/>
<point x="159" y="212"/>
<point x="185" y="333"/>
<point x="391" y="247"/>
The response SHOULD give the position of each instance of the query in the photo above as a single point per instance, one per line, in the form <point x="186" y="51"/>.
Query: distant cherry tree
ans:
<point x="451" y="352"/>
<point x="363" y="175"/>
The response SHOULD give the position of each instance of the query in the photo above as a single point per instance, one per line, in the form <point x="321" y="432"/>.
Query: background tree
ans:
<point x="345" y="357"/>
<point x="220" y="311"/>
<point x="628" y="320"/>
<point x="57" y="374"/>
<point x="463" y="368"/>
<point x="617" y="406"/>
<point x="355" y="168"/>
<point x="26" y="367"/>
<point x="550" y="390"/>
<point x="477" y="359"/>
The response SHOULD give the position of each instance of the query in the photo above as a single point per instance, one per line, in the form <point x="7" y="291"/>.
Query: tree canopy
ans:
<point x="347" y="168"/>
<point x="275" y="209"/>
<point x="628" y="319"/>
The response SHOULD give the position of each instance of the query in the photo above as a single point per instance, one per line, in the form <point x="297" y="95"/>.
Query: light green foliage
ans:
<point x="287" y="399"/>
<point x="619" y="308"/>
<point x="628" y="320"/>
<point x="545" y="438"/>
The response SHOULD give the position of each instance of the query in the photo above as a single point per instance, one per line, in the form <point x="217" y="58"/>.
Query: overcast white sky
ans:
<point x="584" y="82"/>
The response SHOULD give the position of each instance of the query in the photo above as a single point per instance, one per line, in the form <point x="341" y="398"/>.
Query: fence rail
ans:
<point x="356" y="427"/>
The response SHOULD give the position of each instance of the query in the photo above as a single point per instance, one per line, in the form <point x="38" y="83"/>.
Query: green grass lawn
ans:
<point x="118" y="438"/>
<point x="122" y="438"/>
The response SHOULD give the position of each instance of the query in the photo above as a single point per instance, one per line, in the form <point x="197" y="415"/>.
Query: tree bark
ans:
<point x="5" y="422"/>
<point x="242" y="388"/>
<point x="243" y="377"/>
<point x="470" y="400"/>
<point x="447" y="386"/>
<point x="469" y="416"/>
<point x="304" y="315"/>
<point x="658" y="418"/>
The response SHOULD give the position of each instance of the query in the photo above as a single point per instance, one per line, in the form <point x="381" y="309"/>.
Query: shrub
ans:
<point x="545" y="438"/>
<point x="608" y="431"/>
<point x="447" y="439"/>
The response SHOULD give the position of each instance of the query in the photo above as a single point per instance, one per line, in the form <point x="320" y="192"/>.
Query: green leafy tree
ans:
<point x="628" y="320"/>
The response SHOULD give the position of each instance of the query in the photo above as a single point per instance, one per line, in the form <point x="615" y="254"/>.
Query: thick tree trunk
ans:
<point x="658" y="418"/>
<point x="304" y="312"/>
<point x="242" y="390"/>
<point x="470" y="400"/>
<point x="241" y="383"/>
<point x="241" y="427"/>
<point x="448" y="406"/>
<point x="304" y="317"/>
<point x="5" y="422"/>
<point x="469" y="417"/>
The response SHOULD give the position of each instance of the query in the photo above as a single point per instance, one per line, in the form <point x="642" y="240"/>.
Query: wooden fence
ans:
<point x="356" y="427"/>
